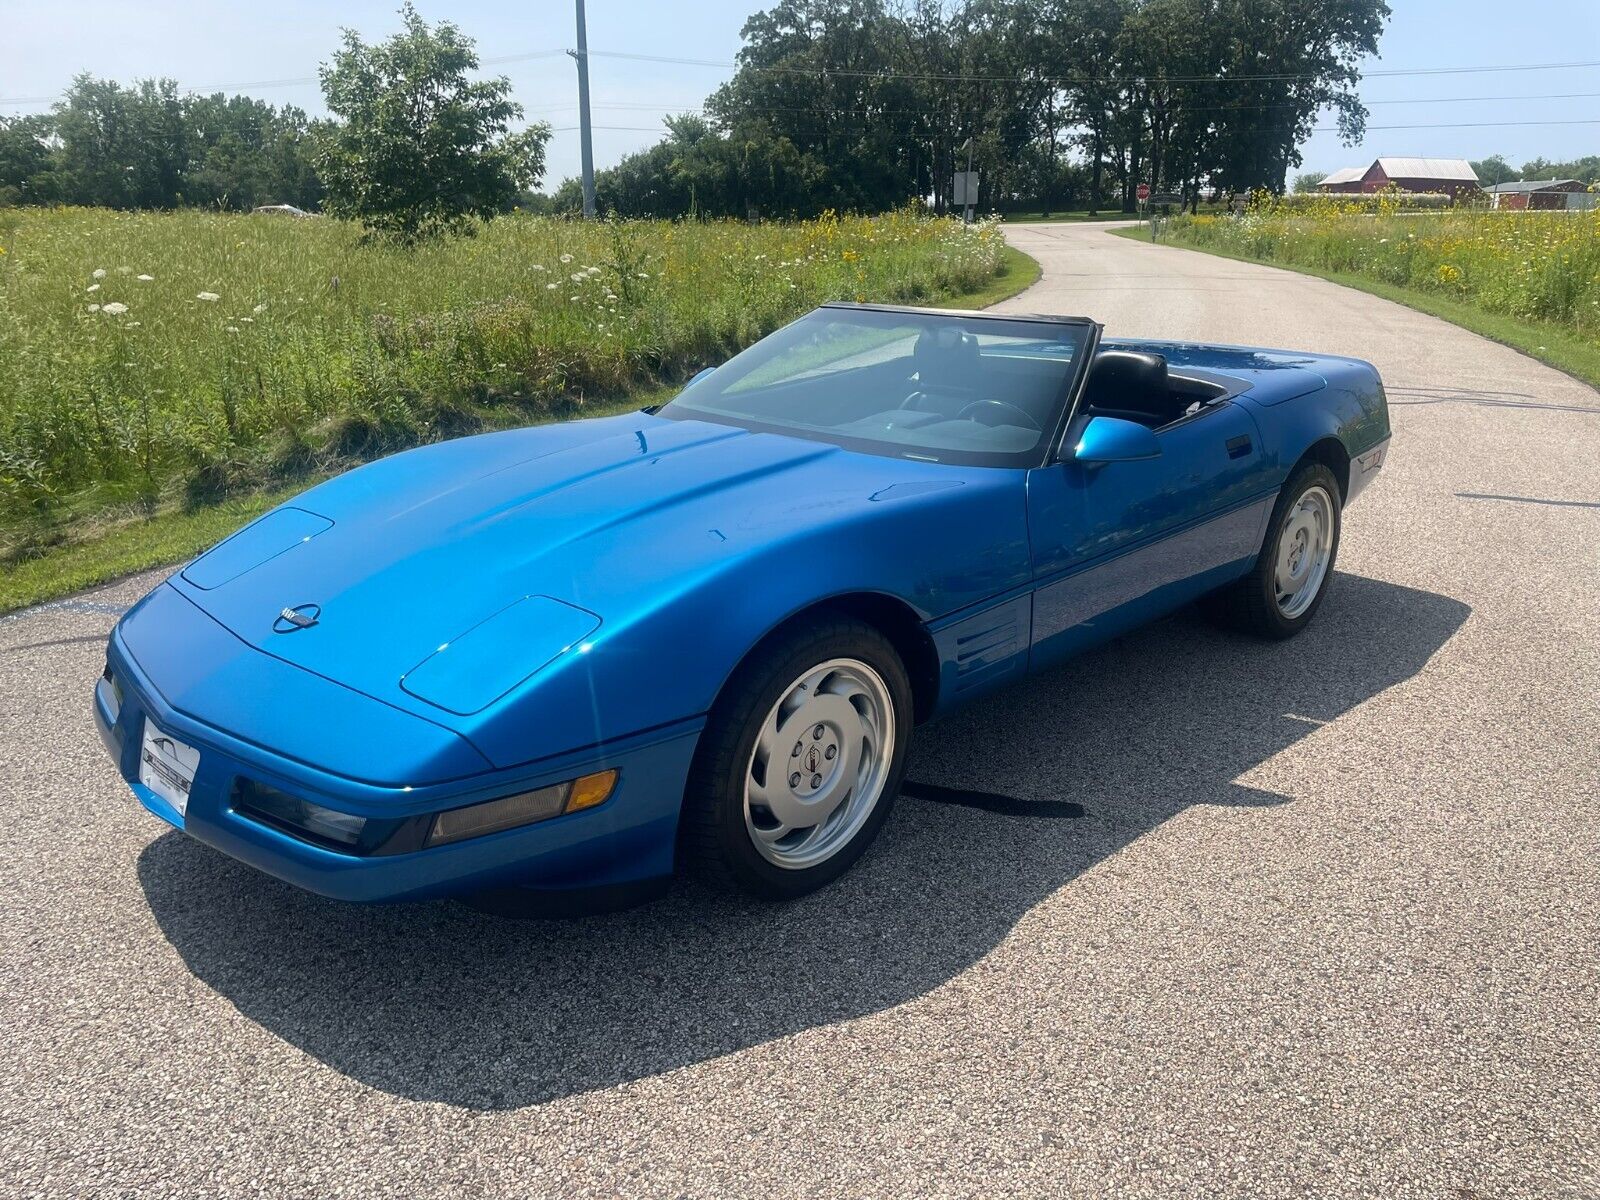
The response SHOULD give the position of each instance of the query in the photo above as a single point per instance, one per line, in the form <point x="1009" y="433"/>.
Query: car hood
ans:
<point x="448" y="575"/>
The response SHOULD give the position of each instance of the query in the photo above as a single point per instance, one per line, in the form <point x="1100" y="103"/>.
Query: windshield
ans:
<point x="982" y="391"/>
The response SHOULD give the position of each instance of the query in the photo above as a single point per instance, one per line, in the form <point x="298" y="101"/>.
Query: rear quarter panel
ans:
<point x="1350" y="407"/>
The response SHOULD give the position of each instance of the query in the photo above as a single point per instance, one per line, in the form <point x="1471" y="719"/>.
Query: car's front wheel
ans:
<point x="800" y="760"/>
<point x="1284" y="589"/>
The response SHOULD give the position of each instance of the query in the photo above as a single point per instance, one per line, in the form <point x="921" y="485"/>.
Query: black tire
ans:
<point x="1250" y="604"/>
<point x="714" y="843"/>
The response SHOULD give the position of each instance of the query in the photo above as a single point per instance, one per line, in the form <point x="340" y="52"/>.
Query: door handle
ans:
<point x="1239" y="447"/>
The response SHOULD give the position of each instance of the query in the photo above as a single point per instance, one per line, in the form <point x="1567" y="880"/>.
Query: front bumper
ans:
<point x="627" y="840"/>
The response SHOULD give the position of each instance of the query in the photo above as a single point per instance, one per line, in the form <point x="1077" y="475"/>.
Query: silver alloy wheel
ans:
<point x="1305" y="547"/>
<point x="819" y="763"/>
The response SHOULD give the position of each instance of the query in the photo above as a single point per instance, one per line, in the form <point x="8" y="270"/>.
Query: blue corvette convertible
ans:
<point x="577" y="656"/>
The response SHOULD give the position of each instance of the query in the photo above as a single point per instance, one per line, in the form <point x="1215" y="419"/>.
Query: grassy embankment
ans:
<point x="166" y="377"/>
<point x="1528" y="280"/>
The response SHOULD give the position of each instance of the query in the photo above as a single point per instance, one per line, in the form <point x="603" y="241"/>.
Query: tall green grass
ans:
<point x="148" y="356"/>
<point x="1541" y="267"/>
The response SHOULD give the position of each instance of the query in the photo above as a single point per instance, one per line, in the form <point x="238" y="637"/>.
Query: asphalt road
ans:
<point x="1328" y="927"/>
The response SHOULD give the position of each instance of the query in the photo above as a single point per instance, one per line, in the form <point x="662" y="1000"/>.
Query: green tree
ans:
<point x="245" y="153"/>
<point x="28" y="165"/>
<point x="123" y="147"/>
<point x="1293" y="60"/>
<point x="147" y="146"/>
<point x="1307" y="181"/>
<point x="1586" y="170"/>
<point x="422" y="148"/>
<point x="1495" y="169"/>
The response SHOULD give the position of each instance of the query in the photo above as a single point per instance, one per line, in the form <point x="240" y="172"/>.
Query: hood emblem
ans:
<point x="301" y="616"/>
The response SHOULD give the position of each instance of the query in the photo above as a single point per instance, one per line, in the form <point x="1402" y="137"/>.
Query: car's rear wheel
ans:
<point x="1284" y="589"/>
<point x="800" y="760"/>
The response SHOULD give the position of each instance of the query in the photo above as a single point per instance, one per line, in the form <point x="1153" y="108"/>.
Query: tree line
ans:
<point x="149" y="146"/>
<point x="851" y="105"/>
<point x="1495" y="169"/>
<point x="415" y="144"/>
<point x="864" y="104"/>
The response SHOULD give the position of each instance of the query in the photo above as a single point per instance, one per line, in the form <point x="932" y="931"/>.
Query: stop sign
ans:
<point x="1143" y="191"/>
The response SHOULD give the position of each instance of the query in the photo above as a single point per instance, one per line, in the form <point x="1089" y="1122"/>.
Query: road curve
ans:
<point x="1328" y="927"/>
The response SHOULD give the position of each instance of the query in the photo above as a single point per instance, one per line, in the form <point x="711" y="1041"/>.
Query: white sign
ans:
<point x="167" y="766"/>
<point x="965" y="191"/>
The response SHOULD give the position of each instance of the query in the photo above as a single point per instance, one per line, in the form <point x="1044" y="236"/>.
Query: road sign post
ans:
<point x="964" y="193"/>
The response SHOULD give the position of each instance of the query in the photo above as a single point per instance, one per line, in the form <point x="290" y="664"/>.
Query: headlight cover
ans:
<point x="480" y="665"/>
<point x="319" y="824"/>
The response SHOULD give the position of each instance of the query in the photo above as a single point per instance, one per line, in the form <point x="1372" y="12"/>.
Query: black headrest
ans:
<point x="1129" y="380"/>
<point x="945" y="351"/>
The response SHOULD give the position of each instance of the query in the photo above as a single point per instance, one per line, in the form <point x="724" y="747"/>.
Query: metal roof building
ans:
<point x="1453" y="176"/>
<point x="1542" y="194"/>
<point x="1343" y="175"/>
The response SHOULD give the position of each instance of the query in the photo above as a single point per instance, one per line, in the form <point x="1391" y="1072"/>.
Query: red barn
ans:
<point x="1451" y="176"/>
<point x="1345" y="179"/>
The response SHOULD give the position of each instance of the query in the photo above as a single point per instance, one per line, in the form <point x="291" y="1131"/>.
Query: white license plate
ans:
<point x="167" y="766"/>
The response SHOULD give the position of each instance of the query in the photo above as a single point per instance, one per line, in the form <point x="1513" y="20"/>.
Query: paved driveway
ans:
<point x="1328" y="927"/>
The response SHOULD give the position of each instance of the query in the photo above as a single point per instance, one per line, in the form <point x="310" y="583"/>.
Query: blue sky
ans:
<point x="43" y="42"/>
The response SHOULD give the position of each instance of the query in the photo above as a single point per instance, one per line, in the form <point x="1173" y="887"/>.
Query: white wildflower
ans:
<point x="208" y="297"/>
<point x="576" y="277"/>
<point x="233" y="329"/>
<point x="145" y="278"/>
<point x="566" y="258"/>
<point x="93" y="287"/>
<point x="644" y="274"/>
<point x="248" y="320"/>
<point x="115" y="309"/>
<point x="99" y="272"/>
<point x="549" y="287"/>
<point x="94" y="308"/>
<point x="259" y="309"/>
<point x="536" y="267"/>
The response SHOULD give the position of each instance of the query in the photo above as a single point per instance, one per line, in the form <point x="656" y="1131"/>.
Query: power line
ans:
<point x="1465" y="125"/>
<point x="945" y="110"/>
<point x="530" y="56"/>
<point x="657" y="106"/>
<point x="295" y="81"/>
<point x="967" y="78"/>
<point x="1318" y="129"/>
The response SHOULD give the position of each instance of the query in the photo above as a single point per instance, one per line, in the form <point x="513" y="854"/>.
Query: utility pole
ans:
<point x="966" y="212"/>
<point x="585" y="133"/>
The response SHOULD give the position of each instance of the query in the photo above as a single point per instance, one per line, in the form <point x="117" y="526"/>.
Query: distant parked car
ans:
<point x="281" y="210"/>
<point x="576" y="655"/>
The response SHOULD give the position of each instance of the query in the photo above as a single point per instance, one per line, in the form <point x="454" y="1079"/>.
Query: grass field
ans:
<point x="220" y="363"/>
<point x="1530" y="280"/>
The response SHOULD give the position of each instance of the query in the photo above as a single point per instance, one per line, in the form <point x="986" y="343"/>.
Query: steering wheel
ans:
<point x="998" y="412"/>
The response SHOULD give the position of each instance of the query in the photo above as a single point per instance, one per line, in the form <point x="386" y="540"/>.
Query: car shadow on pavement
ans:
<point x="439" y="1002"/>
